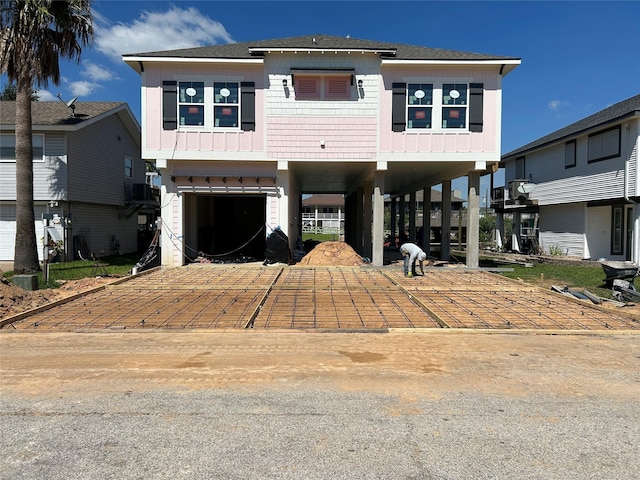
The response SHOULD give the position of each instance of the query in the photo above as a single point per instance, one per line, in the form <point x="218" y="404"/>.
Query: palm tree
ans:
<point x="34" y="34"/>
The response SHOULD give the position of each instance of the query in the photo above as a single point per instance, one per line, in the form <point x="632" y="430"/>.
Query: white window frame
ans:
<point x="438" y="103"/>
<point x="235" y="105"/>
<point x="36" y="159"/>
<point x="183" y="102"/>
<point x="209" y="105"/>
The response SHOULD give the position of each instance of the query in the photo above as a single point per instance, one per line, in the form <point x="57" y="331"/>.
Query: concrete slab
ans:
<point x="335" y="298"/>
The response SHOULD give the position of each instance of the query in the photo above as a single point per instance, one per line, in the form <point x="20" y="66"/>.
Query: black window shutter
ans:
<point x="248" y="114"/>
<point x="169" y="105"/>
<point x="476" y="94"/>
<point x="398" y="107"/>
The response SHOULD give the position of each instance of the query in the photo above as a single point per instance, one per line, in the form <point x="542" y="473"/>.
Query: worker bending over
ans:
<point x="412" y="252"/>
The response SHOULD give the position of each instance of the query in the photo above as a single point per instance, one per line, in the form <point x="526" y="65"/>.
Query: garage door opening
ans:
<point x="225" y="227"/>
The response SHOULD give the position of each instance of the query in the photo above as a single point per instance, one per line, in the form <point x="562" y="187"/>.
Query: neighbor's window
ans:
<point x="191" y="103"/>
<point x="604" y="145"/>
<point x="520" y="168"/>
<point x="226" y="104"/>
<point x="128" y="167"/>
<point x="454" y="105"/>
<point x="570" y="154"/>
<point x="616" y="230"/>
<point x="419" y="105"/>
<point x="8" y="148"/>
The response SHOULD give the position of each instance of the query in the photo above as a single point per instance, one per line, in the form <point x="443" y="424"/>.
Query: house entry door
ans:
<point x="629" y="230"/>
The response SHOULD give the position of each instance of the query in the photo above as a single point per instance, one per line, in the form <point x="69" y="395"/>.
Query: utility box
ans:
<point x="26" y="282"/>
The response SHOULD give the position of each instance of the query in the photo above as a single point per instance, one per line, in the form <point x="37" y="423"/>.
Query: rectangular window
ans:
<point x="570" y="154"/>
<point x="519" y="168"/>
<point x="419" y="105"/>
<point x="191" y="103"/>
<point x="128" y="167"/>
<point x="226" y="104"/>
<point x="616" y="230"/>
<point x="604" y="145"/>
<point x="8" y="148"/>
<point x="322" y="87"/>
<point x="454" y="105"/>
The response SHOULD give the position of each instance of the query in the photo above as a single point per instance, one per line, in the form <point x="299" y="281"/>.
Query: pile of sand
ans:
<point x="330" y="254"/>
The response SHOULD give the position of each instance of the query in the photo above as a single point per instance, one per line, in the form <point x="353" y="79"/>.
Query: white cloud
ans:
<point x="46" y="96"/>
<point x="97" y="73"/>
<point x="83" y="88"/>
<point x="557" y="105"/>
<point x="156" y="31"/>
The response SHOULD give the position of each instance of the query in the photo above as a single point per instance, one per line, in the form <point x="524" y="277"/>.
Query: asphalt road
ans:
<point x="250" y="404"/>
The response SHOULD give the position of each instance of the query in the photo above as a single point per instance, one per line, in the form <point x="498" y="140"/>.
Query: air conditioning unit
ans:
<point x="520" y="189"/>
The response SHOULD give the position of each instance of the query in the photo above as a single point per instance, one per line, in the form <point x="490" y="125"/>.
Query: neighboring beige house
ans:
<point x="243" y="131"/>
<point x="583" y="181"/>
<point x="89" y="179"/>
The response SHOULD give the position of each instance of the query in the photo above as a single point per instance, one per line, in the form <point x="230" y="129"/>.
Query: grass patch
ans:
<point x="321" y="237"/>
<point x="587" y="277"/>
<point x="116" y="266"/>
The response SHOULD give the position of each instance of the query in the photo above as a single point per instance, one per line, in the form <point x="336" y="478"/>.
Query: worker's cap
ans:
<point x="422" y="256"/>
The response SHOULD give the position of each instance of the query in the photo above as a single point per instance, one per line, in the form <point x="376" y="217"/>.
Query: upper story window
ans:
<point x="8" y="147"/>
<point x="420" y="101"/>
<point x="441" y="106"/>
<point x="128" y="167"/>
<point x="191" y="103"/>
<point x="570" y="154"/>
<point x="317" y="87"/>
<point x="208" y="105"/>
<point x="604" y="145"/>
<point x="454" y="101"/>
<point x="225" y="104"/>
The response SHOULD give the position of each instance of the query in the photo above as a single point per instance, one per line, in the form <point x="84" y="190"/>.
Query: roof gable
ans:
<point x="626" y="108"/>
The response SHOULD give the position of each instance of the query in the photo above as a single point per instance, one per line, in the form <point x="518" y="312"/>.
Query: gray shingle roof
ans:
<point x="626" y="108"/>
<point x="56" y="113"/>
<point x="244" y="49"/>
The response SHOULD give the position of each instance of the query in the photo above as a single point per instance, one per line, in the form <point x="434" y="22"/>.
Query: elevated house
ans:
<point x="91" y="191"/>
<point x="242" y="131"/>
<point x="583" y="183"/>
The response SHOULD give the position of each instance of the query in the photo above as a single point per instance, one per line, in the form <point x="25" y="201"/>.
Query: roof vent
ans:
<point x="314" y="41"/>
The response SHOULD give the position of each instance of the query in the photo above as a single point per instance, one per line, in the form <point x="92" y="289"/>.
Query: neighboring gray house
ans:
<point x="584" y="183"/>
<point x="89" y="178"/>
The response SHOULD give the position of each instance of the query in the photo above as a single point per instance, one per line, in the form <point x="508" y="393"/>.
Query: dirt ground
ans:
<point x="14" y="300"/>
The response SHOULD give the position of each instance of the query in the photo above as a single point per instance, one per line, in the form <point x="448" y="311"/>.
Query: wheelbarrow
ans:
<point x="618" y="270"/>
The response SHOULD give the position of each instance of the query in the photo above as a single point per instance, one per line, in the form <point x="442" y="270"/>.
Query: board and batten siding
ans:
<point x="96" y="162"/>
<point x="562" y="227"/>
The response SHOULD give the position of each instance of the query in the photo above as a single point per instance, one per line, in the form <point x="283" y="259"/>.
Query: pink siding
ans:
<point x="300" y="137"/>
<point x="441" y="140"/>
<point x="157" y="139"/>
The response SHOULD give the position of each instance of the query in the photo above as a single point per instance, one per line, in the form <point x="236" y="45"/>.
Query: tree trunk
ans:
<point x="26" y="249"/>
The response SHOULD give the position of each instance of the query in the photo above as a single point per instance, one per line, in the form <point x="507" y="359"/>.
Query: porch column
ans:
<point x="377" y="255"/>
<point x="499" y="232"/>
<point x="515" y="236"/>
<point x="412" y="217"/>
<point x="445" y="242"/>
<point x="473" y="220"/>
<point x="426" y="220"/>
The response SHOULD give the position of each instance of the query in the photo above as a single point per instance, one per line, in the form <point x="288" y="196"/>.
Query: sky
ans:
<point x="578" y="57"/>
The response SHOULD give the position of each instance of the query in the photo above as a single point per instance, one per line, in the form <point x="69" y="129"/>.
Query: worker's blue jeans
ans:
<point x="406" y="265"/>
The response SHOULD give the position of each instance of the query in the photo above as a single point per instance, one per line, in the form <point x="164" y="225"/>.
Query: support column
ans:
<point x="473" y="220"/>
<point x="393" y="221"/>
<point x="359" y="246"/>
<point x="367" y="219"/>
<point x="499" y="232"/>
<point x="445" y="242"/>
<point x="401" y="225"/>
<point x="426" y="220"/>
<point x="377" y="255"/>
<point x="412" y="217"/>
<point x="515" y="235"/>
